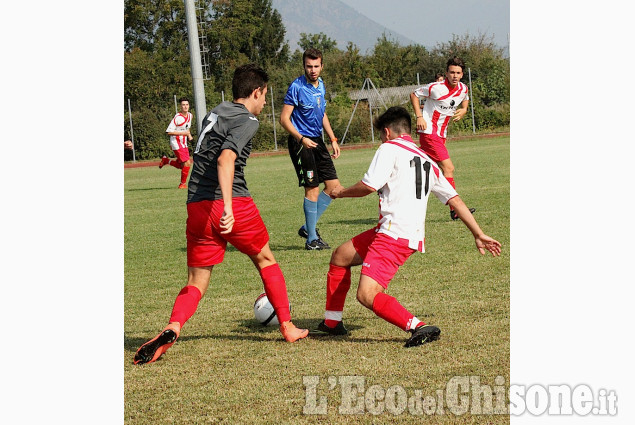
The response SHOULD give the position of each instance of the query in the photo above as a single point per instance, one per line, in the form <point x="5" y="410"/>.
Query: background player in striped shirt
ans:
<point x="403" y="176"/>
<point x="446" y="101"/>
<point x="179" y="132"/>
<point x="220" y="210"/>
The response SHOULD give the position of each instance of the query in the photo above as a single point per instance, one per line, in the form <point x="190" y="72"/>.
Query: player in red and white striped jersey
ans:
<point x="446" y="101"/>
<point x="179" y="132"/>
<point x="403" y="176"/>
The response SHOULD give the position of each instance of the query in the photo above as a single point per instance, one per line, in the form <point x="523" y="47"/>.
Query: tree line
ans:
<point x="157" y="67"/>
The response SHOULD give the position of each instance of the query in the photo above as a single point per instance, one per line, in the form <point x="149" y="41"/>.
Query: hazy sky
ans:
<point x="429" y="22"/>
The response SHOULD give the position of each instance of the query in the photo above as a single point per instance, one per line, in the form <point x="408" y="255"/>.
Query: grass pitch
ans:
<point x="226" y="368"/>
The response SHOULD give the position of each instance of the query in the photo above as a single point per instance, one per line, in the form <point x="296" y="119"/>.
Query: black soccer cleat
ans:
<point x="316" y="245"/>
<point x="423" y="334"/>
<point x="324" y="244"/>
<point x="454" y="216"/>
<point x="337" y="330"/>
<point x="304" y="234"/>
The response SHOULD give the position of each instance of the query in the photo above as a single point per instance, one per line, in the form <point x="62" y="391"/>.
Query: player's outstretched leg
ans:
<point x="389" y="309"/>
<point x="185" y="306"/>
<point x="153" y="349"/>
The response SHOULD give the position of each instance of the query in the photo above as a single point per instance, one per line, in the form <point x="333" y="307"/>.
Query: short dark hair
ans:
<point x="311" y="53"/>
<point x="184" y="99"/>
<point x="456" y="61"/>
<point x="248" y="78"/>
<point x="439" y="75"/>
<point x="397" y="118"/>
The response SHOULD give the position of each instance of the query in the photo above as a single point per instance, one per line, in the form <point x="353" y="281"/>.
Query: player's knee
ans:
<point x="366" y="297"/>
<point x="341" y="256"/>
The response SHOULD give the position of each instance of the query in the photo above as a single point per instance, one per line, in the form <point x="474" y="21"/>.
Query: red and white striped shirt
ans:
<point x="180" y="122"/>
<point x="404" y="176"/>
<point x="441" y="103"/>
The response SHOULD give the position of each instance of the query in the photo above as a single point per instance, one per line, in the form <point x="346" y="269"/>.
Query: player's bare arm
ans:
<point x="285" y="122"/>
<point x="421" y="123"/>
<point x="225" y="168"/>
<point x="181" y="133"/>
<point x="483" y="242"/>
<point x="358" y="190"/>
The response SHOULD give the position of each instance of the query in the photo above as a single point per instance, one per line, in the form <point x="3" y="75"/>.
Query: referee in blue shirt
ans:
<point x="304" y="117"/>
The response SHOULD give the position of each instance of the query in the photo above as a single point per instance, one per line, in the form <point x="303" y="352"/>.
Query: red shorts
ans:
<point x="182" y="154"/>
<point x="206" y="246"/>
<point x="434" y="146"/>
<point x="382" y="255"/>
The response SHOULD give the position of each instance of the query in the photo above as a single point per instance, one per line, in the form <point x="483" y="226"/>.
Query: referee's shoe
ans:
<point x="316" y="244"/>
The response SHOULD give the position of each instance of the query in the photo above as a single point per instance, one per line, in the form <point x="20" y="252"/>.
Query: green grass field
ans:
<point x="226" y="368"/>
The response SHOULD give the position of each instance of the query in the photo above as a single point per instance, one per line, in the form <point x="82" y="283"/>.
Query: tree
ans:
<point x="154" y="24"/>
<point x="241" y="31"/>
<point x="397" y="65"/>
<point x="317" y="41"/>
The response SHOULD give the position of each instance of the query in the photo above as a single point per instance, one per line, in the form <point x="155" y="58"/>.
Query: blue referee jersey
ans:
<point x="308" y="104"/>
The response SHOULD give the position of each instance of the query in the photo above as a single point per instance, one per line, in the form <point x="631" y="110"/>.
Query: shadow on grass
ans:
<point x="250" y="330"/>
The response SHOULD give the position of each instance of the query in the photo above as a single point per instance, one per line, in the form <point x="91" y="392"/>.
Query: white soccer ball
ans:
<point x="264" y="312"/>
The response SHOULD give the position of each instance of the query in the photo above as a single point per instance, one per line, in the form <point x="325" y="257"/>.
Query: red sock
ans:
<point x="451" y="181"/>
<point x="338" y="282"/>
<point x="176" y="163"/>
<point x="389" y="309"/>
<point x="184" y="171"/>
<point x="185" y="304"/>
<point x="276" y="290"/>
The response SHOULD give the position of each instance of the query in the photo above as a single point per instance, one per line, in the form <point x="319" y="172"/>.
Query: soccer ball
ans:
<point x="264" y="312"/>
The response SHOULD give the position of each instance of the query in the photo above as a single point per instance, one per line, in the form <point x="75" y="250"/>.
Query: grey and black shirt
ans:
<point x="228" y="126"/>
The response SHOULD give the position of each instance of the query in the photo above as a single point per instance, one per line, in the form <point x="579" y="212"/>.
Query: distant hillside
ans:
<point x="337" y="20"/>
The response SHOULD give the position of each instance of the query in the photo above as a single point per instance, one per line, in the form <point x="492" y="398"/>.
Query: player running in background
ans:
<point x="179" y="132"/>
<point x="220" y="210"/>
<point x="445" y="100"/>
<point x="403" y="176"/>
<point x="304" y="116"/>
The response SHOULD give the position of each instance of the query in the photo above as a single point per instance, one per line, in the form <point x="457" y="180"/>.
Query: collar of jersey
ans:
<point x="405" y="137"/>
<point x="306" y="82"/>
<point x="450" y="88"/>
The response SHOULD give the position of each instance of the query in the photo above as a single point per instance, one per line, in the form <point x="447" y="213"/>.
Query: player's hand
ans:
<point x="127" y="144"/>
<point x="227" y="221"/>
<point x="308" y="143"/>
<point x="421" y="124"/>
<point x="458" y="114"/>
<point x="484" y="242"/>
<point x="336" y="192"/>
<point x="189" y="136"/>
<point x="336" y="149"/>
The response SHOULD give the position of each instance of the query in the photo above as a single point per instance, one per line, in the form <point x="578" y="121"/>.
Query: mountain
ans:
<point x="337" y="20"/>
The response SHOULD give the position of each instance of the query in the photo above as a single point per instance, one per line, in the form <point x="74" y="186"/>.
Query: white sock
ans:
<point x="413" y="323"/>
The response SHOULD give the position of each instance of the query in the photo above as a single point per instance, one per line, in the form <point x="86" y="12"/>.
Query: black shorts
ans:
<point x="313" y="166"/>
